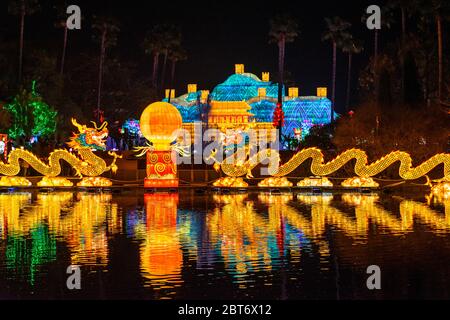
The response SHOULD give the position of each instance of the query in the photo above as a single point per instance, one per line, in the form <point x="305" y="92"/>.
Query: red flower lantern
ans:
<point x="278" y="116"/>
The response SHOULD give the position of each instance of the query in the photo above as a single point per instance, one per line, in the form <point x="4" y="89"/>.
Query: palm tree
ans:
<point x="171" y="39"/>
<point x="153" y="45"/>
<point x="175" y="55"/>
<point x="61" y="22"/>
<point x="351" y="47"/>
<point x="106" y="33"/>
<point x="402" y="5"/>
<point x="438" y="10"/>
<point x="407" y="9"/>
<point x="22" y="8"/>
<point x="386" y="22"/>
<point x="336" y="33"/>
<point x="283" y="29"/>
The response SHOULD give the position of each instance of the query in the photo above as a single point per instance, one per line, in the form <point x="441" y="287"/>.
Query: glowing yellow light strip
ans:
<point x="88" y="164"/>
<point x="319" y="168"/>
<point x="91" y="165"/>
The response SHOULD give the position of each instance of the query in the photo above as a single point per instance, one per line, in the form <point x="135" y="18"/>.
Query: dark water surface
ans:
<point x="203" y="246"/>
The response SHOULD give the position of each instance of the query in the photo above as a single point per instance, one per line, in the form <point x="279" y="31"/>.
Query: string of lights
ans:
<point x="85" y="162"/>
<point x="320" y="168"/>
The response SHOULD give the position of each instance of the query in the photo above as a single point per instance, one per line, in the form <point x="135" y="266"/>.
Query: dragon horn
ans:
<point x="76" y="124"/>
<point x="104" y="124"/>
<point x="95" y="125"/>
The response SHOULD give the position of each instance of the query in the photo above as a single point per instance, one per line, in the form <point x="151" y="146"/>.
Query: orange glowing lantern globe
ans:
<point x="159" y="124"/>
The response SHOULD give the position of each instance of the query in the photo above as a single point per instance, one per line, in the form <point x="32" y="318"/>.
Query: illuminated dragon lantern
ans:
<point x="93" y="138"/>
<point x="238" y="165"/>
<point x="83" y="159"/>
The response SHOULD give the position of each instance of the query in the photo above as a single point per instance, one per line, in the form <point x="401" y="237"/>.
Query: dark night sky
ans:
<point x="216" y="35"/>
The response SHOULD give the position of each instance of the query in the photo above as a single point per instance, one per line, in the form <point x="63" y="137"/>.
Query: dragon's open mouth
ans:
<point x="100" y="140"/>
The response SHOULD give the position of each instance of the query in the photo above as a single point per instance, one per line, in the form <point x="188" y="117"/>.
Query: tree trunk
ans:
<point x="281" y="50"/>
<point x="333" y="85"/>
<point x="439" y="34"/>
<point x="172" y="77"/>
<point x="155" y="69"/>
<point x="427" y="81"/>
<point x="349" y="76"/>
<point x="163" y="76"/>
<point x="375" y="67"/>
<point x="100" y="74"/>
<point x="22" y="30"/>
<point x="375" y="58"/>
<point x="63" y="58"/>
<point x="402" y="57"/>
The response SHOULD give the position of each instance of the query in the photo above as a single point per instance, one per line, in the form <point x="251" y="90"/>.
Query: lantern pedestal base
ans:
<point x="161" y="171"/>
<point x="161" y="183"/>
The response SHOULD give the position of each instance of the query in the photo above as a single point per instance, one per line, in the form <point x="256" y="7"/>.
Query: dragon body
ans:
<point x="237" y="168"/>
<point x="83" y="159"/>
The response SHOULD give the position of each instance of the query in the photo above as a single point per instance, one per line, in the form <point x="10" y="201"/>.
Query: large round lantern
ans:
<point x="159" y="124"/>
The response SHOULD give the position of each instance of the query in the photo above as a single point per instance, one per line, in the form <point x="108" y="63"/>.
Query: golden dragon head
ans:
<point x="94" y="138"/>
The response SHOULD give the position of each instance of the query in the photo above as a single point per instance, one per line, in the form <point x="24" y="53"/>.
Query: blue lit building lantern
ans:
<point x="301" y="112"/>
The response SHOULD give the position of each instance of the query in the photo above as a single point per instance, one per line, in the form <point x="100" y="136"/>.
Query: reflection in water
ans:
<point x="246" y="237"/>
<point x="442" y="201"/>
<point x="10" y="207"/>
<point x="87" y="226"/>
<point x="161" y="255"/>
<point x="31" y="230"/>
<point x="366" y="211"/>
<point x="23" y="256"/>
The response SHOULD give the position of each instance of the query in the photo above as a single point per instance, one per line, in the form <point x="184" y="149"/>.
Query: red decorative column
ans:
<point x="161" y="170"/>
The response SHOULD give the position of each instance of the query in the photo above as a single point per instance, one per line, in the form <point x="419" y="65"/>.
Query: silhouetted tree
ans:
<point x="386" y="22"/>
<point x="439" y="11"/>
<point x="351" y="47"/>
<point x="171" y="39"/>
<point x="283" y="29"/>
<point x="336" y="33"/>
<point x="61" y="23"/>
<point x="22" y="8"/>
<point x="107" y="29"/>
<point x="153" y="45"/>
<point x="175" y="55"/>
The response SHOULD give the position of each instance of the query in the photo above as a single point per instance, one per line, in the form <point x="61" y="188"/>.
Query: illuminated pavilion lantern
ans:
<point x="159" y="124"/>
<point x="229" y="114"/>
